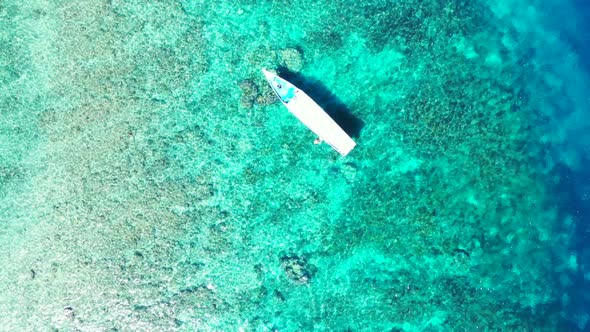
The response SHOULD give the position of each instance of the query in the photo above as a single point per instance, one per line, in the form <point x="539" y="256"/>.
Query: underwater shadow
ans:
<point x="335" y="108"/>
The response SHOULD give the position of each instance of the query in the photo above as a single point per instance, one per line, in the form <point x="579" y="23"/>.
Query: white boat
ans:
<point x="310" y="113"/>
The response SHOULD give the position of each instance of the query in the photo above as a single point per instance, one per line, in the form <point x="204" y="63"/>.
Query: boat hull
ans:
<point x="310" y="114"/>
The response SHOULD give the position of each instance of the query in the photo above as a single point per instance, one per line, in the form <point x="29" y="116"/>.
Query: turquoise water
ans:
<point x="150" y="181"/>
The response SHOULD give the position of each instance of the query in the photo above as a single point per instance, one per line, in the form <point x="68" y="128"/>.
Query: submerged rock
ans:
<point x="298" y="269"/>
<point x="69" y="313"/>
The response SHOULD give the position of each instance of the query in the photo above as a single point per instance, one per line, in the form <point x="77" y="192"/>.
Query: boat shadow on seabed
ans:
<point x="335" y="108"/>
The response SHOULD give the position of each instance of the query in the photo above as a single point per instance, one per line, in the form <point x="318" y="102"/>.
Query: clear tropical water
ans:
<point x="150" y="182"/>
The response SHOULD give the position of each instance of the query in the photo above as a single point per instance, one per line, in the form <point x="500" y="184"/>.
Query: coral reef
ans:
<point x="150" y="179"/>
<point x="249" y="93"/>
<point x="292" y="59"/>
<point x="298" y="269"/>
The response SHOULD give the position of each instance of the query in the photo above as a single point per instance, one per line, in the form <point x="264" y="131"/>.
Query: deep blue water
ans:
<point x="572" y="195"/>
